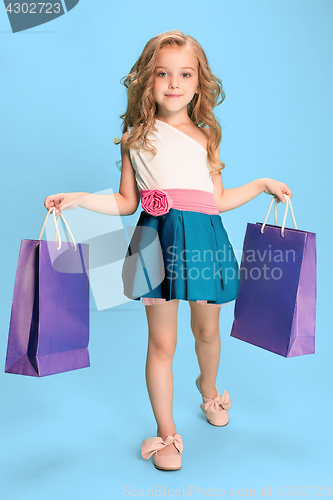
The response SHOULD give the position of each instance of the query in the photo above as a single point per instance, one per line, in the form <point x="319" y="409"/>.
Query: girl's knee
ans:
<point x="163" y="346"/>
<point x="206" y="333"/>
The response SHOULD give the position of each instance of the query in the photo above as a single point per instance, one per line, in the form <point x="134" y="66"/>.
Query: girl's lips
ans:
<point x="172" y="95"/>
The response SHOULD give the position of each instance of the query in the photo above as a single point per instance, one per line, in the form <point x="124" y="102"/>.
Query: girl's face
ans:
<point x="176" y="80"/>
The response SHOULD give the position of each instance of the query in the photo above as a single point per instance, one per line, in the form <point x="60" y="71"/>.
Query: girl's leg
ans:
<point x="162" y="340"/>
<point x="205" y="328"/>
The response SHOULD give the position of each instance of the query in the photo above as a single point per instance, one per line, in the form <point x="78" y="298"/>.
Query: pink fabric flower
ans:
<point x="156" y="202"/>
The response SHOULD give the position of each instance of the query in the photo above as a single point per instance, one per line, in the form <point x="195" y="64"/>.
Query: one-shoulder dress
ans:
<point x="179" y="248"/>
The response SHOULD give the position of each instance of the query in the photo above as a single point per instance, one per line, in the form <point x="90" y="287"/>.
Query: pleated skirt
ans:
<point x="182" y="254"/>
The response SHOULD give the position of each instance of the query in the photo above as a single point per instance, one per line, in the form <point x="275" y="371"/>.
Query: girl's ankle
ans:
<point x="208" y="391"/>
<point x="168" y="431"/>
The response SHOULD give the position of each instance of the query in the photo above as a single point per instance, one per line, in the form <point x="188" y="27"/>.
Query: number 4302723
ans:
<point x="34" y="8"/>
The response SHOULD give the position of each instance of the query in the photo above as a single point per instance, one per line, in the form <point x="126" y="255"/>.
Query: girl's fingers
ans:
<point x="279" y="196"/>
<point x="52" y="201"/>
<point x="287" y="191"/>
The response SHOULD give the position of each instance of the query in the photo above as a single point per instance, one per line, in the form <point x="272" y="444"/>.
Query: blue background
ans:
<point x="78" y="435"/>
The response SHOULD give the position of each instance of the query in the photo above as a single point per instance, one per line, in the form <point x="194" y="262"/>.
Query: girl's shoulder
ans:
<point x="124" y="139"/>
<point x="127" y="135"/>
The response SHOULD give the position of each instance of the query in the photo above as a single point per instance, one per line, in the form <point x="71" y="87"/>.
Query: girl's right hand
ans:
<point x="62" y="201"/>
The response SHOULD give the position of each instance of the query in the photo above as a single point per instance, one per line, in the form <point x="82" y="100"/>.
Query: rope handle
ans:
<point x="57" y="234"/>
<point x="288" y="204"/>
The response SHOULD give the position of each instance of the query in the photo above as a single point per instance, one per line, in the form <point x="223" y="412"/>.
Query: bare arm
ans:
<point x="228" y="199"/>
<point x="123" y="203"/>
<point x="235" y="197"/>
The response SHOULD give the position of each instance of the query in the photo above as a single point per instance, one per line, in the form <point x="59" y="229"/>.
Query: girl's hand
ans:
<point x="277" y="189"/>
<point x="62" y="201"/>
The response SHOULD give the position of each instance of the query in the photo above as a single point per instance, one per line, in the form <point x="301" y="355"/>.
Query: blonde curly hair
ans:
<point x="141" y="105"/>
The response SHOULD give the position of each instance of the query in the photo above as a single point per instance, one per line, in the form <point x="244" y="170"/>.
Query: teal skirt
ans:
<point x="182" y="255"/>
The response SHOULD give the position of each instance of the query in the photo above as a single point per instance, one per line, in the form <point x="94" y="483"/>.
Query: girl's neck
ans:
<point x="174" y="120"/>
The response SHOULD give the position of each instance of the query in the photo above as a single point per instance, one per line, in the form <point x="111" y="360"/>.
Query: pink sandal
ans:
<point x="151" y="446"/>
<point x="216" y="409"/>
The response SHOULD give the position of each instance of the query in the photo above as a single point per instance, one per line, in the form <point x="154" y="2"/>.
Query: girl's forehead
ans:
<point x="176" y="56"/>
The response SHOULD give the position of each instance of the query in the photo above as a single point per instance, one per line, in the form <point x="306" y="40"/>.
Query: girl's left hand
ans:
<point x="277" y="189"/>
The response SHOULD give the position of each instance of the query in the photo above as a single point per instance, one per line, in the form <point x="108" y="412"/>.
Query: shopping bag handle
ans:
<point x="57" y="234"/>
<point x="288" y="204"/>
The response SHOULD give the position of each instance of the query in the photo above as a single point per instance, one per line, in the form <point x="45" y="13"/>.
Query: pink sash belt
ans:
<point x="159" y="202"/>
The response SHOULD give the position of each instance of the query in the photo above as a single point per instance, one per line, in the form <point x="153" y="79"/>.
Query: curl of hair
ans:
<point x="141" y="105"/>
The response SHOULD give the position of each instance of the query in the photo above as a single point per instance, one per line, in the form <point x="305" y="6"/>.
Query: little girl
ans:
<point x="180" y="249"/>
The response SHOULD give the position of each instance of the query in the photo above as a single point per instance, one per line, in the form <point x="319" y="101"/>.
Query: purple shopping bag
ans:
<point x="49" y="324"/>
<point x="276" y="304"/>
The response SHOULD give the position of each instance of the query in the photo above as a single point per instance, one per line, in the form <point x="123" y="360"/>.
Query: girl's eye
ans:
<point x="163" y="73"/>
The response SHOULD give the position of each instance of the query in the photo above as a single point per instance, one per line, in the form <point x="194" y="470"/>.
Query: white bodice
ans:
<point x="180" y="162"/>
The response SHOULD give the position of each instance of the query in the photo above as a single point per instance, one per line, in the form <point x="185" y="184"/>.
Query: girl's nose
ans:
<point x="173" y="83"/>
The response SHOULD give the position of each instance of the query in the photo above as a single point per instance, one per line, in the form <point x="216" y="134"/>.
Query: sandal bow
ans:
<point x="215" y="409"/>
<point x="218" y="402"/>
<point x="152" y="445"/>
